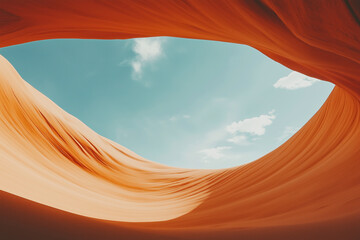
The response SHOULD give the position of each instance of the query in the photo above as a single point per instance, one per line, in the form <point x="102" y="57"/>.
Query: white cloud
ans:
<point x="186" y="116"/>
<point x="239" y="140"/>
<point x="288" y="132"/>
<point x="295" y="80"/>
<point x="255" y="125"/>
<point x="147" y="50"/>
<point x="136" y="67"/>
<point x="214" y="153"/>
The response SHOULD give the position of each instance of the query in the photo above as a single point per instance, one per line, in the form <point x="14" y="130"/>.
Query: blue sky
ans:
<point x="181" y="102"/>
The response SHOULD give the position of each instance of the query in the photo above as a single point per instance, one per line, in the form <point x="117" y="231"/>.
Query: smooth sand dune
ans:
<point x="71" y="183"/>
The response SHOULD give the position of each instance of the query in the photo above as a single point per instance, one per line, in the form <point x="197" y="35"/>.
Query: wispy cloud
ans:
<point x="295" y="80"/>
<point x="241" y="140"/>
<point x="214" y="153"/>
<point x="254" y="126"/>
<point x="249" y="128"/>
<point x="175" y="118"/>
<point x="147" y="50"/>
<point x="288" y="132"/>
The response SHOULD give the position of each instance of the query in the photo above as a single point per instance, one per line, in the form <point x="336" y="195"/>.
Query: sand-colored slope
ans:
<point x="306" y="187"/>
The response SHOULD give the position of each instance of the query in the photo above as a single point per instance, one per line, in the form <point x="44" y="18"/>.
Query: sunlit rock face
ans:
<point x="308" y="188"/>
